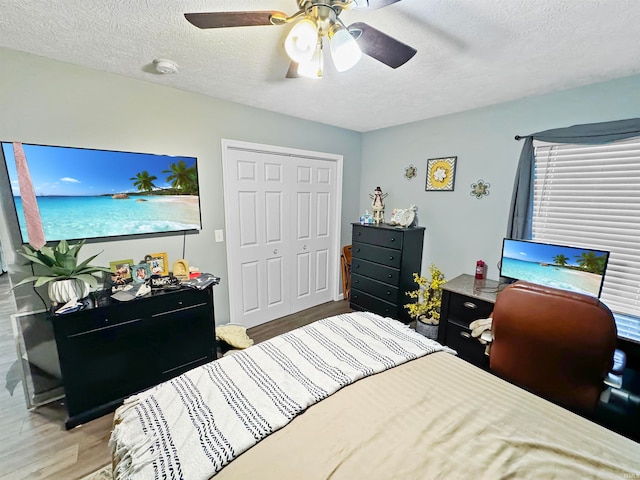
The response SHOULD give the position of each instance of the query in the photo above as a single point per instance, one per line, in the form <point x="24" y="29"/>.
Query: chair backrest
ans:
<point x="345" y="262"/>
<point x="554" y="343"/>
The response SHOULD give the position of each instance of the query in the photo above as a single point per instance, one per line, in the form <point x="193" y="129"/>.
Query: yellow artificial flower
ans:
<point x="428" y="296"/>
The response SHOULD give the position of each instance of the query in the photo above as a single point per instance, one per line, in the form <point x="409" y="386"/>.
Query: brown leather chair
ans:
<point x="554" y="343"/>
<point x="345" y="263"/>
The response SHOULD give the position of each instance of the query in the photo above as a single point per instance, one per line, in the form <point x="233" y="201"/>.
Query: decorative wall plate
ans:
<point x="480" y="189"/>
<point x="410" y="172"/>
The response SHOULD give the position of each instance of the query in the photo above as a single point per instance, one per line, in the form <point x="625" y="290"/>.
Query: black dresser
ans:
<point x="384" y="261"/>
<point x="116" y="349"/>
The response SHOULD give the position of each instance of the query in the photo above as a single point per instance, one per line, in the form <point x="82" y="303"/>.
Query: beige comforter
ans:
<point x="437" y="417"/>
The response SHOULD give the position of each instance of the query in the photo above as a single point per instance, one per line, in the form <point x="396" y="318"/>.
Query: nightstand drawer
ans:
<point x="382" y="238"/>
<point x="468" y="347"/>
<point x="378" y="272"/>
<point x="463" y="310"/>
<point x="374" y="288"/>
<point x="381" y="255"/>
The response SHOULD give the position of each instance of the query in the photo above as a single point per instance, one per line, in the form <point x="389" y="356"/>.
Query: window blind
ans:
<point x="589" y="196"/>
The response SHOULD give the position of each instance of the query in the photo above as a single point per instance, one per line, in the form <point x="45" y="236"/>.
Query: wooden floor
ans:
<point x="35" y="444"/>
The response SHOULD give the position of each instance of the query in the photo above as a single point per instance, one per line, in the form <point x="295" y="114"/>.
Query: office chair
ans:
<point x="557" y="344"/>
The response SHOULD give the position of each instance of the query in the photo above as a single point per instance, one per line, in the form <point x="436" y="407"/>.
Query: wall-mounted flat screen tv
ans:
<point x="576" y="269"/>
<point x="84" y="193"/>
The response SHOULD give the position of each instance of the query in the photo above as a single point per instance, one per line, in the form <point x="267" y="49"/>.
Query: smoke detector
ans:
<point x="165" y="66"/>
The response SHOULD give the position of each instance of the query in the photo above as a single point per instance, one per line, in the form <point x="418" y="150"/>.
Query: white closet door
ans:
<point x="282" y="219"/>
<point x="311" y="218"/>
<point x="258" y="271"/>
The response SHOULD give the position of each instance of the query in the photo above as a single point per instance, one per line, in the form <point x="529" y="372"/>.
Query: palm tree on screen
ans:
<point x="183" y="178"/>
<point x="591" y="262"/>
<point x="560" y="260"/>
<point x="143" y="181"/>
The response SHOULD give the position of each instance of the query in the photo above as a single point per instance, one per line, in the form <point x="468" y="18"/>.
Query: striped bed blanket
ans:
<point x="193" y="425"/>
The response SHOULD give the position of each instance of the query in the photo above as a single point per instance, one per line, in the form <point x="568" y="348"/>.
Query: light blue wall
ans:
<point x="49" y="102"/>
<point x="44" y="101"/>
<point x="461" y="229"/>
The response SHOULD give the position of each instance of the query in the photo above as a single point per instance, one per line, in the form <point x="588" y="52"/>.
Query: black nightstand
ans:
<point x="465" y="299"/>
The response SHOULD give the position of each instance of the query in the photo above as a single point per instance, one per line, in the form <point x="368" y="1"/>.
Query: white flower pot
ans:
<point x="62" y="291"/>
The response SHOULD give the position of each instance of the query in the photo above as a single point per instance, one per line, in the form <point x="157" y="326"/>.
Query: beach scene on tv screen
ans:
<point x="84" y="193"/>
<point x="569" y="268"/>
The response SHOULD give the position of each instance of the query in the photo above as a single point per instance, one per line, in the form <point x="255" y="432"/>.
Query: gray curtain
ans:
<point x="3" y="267"/>
<point x="519" y="225"/>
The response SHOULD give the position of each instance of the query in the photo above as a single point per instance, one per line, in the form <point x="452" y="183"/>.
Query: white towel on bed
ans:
<point x="192" y="426"/>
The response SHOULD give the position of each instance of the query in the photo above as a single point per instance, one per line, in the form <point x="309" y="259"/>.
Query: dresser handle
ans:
<point x="470" y="305"/>
<point x="465" y="334"/>
<point x="357" y="249"/>
<point x="357" y="281"/>
<point x="393" y="239"/>
<point x="390" y="258"/>
<point x="358" y="233"/>
<point x="390" y="276"/>
<point x="357" y="265"/>
<point x="388" y="293"/>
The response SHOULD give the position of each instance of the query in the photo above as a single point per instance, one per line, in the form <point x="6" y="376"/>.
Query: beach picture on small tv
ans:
<point x="84" y="193"/>
<point x="576" y="269"/>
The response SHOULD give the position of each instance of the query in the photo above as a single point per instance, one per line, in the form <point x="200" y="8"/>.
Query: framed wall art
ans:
<point x="441" y="174"/>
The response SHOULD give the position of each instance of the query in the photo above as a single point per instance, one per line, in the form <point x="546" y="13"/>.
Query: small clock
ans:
<point x="406" y="220"/>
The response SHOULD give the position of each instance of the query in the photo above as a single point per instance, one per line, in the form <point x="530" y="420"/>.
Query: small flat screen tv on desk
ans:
<point x="576" y="269"/>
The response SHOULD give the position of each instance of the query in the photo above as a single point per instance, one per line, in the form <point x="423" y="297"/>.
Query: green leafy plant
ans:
<point x="61" y="263"/>
<point x="428" y="296"/>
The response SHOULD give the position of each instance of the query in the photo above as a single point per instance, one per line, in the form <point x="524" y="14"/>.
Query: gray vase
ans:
<point x="427" y="329"/>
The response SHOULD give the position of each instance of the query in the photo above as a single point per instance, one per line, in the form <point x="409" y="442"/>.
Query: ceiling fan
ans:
<point x="316" y="23"/>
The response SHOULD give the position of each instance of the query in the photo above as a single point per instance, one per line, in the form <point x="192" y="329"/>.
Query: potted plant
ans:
<point x="428" y="298"/>
<point x="66" y="278"/>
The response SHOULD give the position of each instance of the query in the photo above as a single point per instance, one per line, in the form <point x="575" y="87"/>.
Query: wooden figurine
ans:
<point x="378" y="205"/>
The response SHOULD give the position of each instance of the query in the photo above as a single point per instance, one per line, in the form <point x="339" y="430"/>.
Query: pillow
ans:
<point x="234" y="335"/>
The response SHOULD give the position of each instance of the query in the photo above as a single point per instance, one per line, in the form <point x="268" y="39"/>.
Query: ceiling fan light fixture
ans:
<point x="301" y="41"/>
<point x="344" y="49"/>
<point x="360" y="3"/>
<point x="313" y="68"/>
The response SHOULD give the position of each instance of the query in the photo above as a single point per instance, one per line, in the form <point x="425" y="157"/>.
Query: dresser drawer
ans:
<point x="381" y="255"/>
<point x="375" y="288"/>
<point x="463" y="310"/>
<point x="380" y="237"/>
<point x="378" y="272"/>
<point x="363" y="301"/>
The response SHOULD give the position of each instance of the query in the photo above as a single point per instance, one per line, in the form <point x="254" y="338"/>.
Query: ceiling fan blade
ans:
<point x="376" y="4"/>
<point x="381" y="46"/>
<point x="293" y="71"/>
<point x="232" y="19"/>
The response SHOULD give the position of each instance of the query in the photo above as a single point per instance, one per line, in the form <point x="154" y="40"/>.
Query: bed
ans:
<point x="355" y="396"/>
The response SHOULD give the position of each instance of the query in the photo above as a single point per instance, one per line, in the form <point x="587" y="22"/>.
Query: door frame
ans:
<point x="229" y="144"/>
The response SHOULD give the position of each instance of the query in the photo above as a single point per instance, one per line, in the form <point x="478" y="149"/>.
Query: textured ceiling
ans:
<point x="471" y="53"/>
